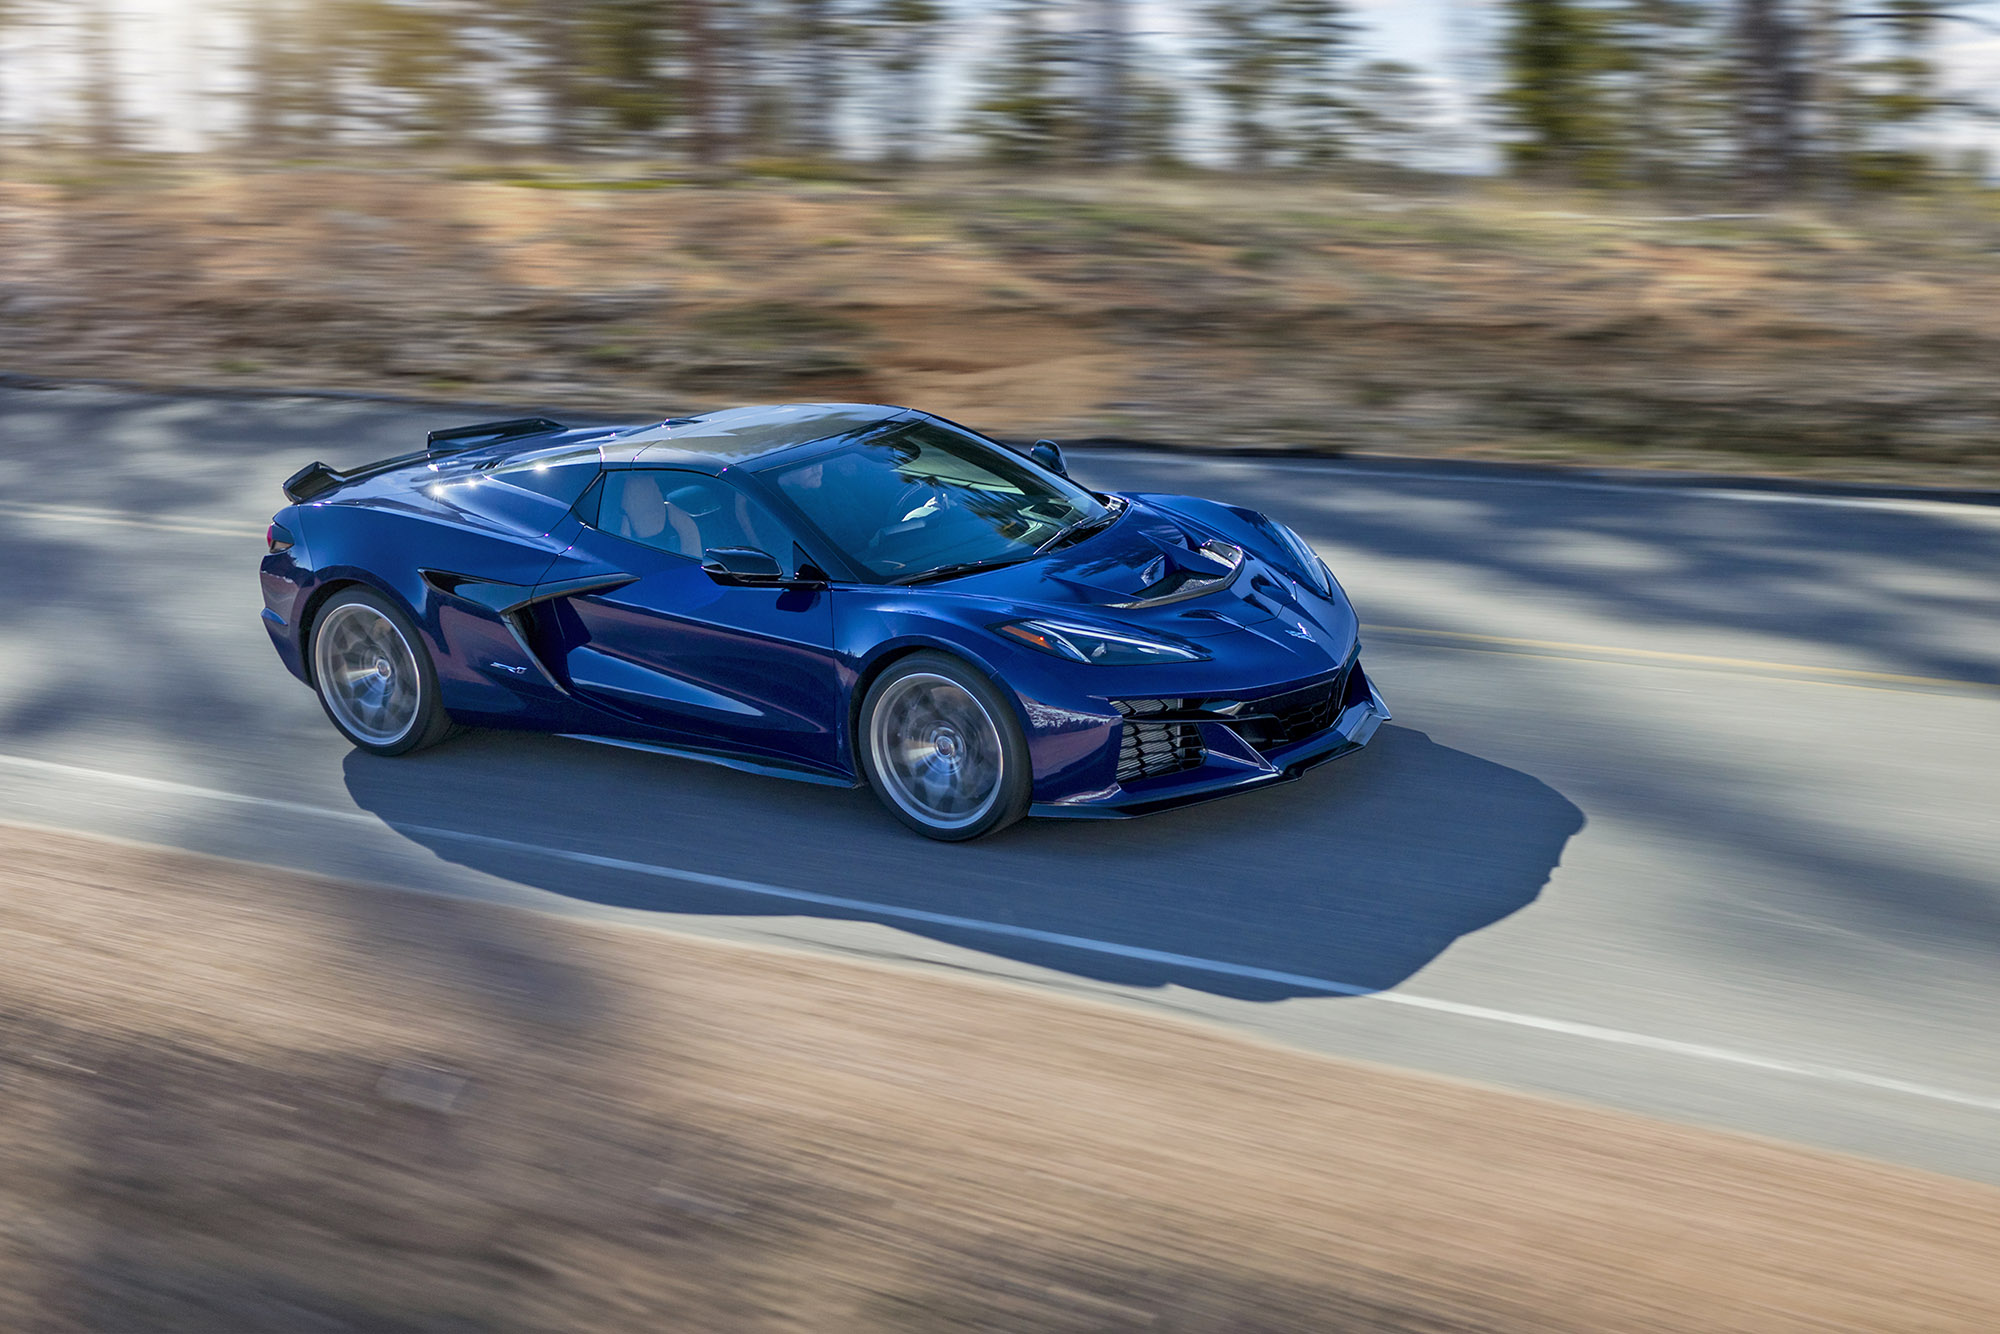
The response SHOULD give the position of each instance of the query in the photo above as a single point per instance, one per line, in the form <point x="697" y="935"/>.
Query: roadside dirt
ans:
<point x="238" y="1099"/>
<point x="1192" y="311"/>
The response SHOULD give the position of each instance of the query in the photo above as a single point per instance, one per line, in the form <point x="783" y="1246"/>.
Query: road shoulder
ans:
<point x="233" y="1092"/>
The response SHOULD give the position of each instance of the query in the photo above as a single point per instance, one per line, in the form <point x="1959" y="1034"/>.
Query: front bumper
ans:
<point x="1232" y="764"/>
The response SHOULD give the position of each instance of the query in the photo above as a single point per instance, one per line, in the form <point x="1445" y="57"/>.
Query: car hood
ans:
<point x="1144" y="551"/>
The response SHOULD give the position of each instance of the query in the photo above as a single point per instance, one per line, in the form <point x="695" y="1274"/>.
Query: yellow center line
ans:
<point x="1663" y="657"/>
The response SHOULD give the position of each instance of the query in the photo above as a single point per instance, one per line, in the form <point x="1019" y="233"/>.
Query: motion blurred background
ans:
<point x="1671" y="887"/>
<point x="1713" y="233"/>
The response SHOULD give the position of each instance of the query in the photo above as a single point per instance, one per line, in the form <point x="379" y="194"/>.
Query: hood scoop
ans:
<point x="1145" y="555"/>
<point x="1179" y="575"/>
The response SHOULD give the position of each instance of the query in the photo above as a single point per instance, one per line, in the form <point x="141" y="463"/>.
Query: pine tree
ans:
<point x="1315" y="37"/>
<point x="1247" y="51"/>
<point x="1153" y="121"/>
<point x="705" y="44"/>
<point x="554" y="39"/>
<point x="1559" y="59"/>
<point x="816" y="74"/>
<point x="1109" y="91"/>
<point x="1281" y="68"/>
<point x="621" y="84"/>
<point x="1670" y="89"/>
<point x="1771" y="88"/>
<point x="10" y="16"/>
<point x="1028" y="115"/>
<point x="290" y="77"/>
<point x="899" y="33"/>
<point x="420" y="62"/>
<point x="103" y="117"/>
<point x="1391" y="116"/>
<point x="1893" y="89"/>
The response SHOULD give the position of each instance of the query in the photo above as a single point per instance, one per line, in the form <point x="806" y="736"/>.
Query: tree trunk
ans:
<point x="318" y="27"/>
<point x="557" y="38"/>
<point x="100" y="72"/>
<point x="704" y="107"/>
<point x="816" y="90"/>
<point x="1108" y="100"/>
<point x="1830" y="140"/>
<point x="1770" y="90"/>
<point x="260" y="120"/>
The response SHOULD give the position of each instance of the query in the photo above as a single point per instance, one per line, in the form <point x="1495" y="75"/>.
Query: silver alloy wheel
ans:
<point x="367" y="673"/>
<point x="937" y="750"/>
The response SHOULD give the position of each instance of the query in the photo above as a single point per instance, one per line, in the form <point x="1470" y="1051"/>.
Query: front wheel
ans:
<point x="943" y="750"/>
<point x="374" y="676"/>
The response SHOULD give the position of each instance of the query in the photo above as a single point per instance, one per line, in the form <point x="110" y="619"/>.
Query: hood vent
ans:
<point x="1208" y="568"/>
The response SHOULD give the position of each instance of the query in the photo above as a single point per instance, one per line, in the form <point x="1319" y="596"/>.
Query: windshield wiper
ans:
<point x="1082" y="528"/>
<point x="957" y="568"/>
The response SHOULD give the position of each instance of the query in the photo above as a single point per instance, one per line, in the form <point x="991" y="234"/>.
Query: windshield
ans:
<point x="921" y="497"/>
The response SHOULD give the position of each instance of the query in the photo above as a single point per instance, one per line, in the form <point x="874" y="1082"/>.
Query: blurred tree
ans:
<point x="1559" y="60"/>
<point x="788" y="83"/>
<point x="1892" y="86"/>
<point x="1153" y="126"/>
<point x="1391" y="115"/>
<point x="705" y="46"/>
<point x="1029" y="115"/>
<point x="1108" y="99"/>
<point x="900" y="33"/>
<point x="1315" y="38"/>
<point x="1670" y="89"/>
<point x="620" y="82"/>
<point x="817" y="81"/>
<point x="1831" y="123"/>
<point x="295" y="63"/>
<point x="1771" y="89"/>
<point x="555" y="74"/>
<point x="1247" y="50"/>
<point x="104" y="125"/>
<point x="421" y="61"/>
<point x="1281" y="72"/>
<point x="11" y="14"/>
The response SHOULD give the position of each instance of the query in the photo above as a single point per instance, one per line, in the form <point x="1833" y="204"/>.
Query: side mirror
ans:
<point x="1049" y="454"/>
<point x="742" y="566"/>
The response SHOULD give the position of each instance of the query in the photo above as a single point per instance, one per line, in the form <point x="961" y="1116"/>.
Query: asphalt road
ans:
<point x="1691" y="804"/>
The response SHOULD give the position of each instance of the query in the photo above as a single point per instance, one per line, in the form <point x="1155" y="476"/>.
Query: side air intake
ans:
<point x="1151" y="750"/>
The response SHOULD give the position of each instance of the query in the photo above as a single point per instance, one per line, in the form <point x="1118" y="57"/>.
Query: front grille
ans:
<point x="1149" y="750"/>
<point x="1295" y="715"/>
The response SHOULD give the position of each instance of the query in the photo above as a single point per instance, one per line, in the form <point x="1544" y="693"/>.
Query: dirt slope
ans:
<point x="1203" y="311"/>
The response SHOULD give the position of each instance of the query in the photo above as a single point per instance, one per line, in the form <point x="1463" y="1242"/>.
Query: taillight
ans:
<point x="278" y="538"/>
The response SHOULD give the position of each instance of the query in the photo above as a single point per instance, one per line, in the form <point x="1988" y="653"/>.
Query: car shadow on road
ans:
<point x="1359" y="875"/>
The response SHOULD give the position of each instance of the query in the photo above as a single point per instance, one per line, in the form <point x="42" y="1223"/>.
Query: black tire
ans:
<point x="352" y="625"/>
<point x="918" y="778"/>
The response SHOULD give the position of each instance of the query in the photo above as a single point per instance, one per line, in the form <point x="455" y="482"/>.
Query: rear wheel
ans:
<point x="374" y="676"/>
<point x="942" y="749"/>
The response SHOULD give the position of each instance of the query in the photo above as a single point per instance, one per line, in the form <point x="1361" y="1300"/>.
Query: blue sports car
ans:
<point x="838" y="592"/>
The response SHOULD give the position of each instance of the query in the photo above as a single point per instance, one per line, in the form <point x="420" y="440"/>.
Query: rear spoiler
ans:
<point x="316" y="478"/>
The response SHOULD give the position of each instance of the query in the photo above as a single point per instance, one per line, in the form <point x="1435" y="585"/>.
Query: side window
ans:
<point x="686" y="513"/>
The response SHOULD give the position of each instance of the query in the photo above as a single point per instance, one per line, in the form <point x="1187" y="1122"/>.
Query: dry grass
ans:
<point x="232" y="1098"/>
<point x="1190" y="311"/>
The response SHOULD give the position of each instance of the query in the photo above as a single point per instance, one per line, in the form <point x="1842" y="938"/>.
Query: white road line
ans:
<point x="74" y="514"/>
<point x="1191" y="963"/>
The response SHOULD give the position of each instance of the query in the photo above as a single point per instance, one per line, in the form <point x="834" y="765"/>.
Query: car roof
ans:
<point x="738" y="434"/>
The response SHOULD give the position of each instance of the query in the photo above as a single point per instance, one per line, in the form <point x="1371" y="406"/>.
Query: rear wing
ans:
<point x="316" y="478"/>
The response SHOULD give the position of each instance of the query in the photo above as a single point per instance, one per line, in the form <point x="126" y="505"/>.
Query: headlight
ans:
<point x="1305" y="562"/>
<point x="1103" y="648"/>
